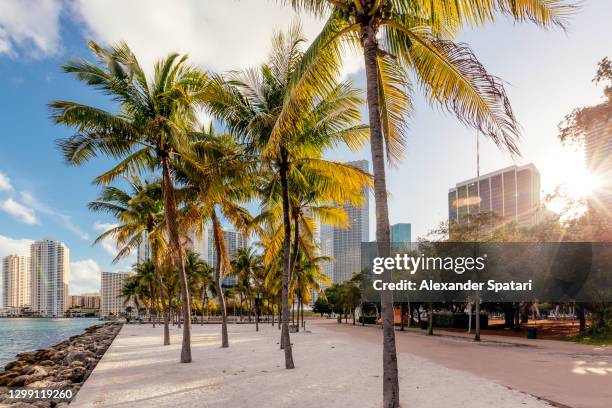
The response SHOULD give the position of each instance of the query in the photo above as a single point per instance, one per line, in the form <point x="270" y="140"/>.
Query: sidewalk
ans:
<point x="569" y="374"/>
<point x="334" y="368"/>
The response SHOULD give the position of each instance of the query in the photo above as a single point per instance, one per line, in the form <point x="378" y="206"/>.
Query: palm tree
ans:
<point x="272" y="109"/>
<point x="199" y="275"/>
<point x="146" y="277"/>
<point x="217" y="177"/>
<point x="140" y="216"/>
<point x="149" y="131"/>
<point x="245" y="267"/>
<point x="401" y="36"/>
<point x="132" y="293"/>
<point x="308" y="278"/>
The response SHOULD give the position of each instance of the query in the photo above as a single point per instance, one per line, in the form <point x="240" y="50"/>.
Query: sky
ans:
<point x="546" y="73"/>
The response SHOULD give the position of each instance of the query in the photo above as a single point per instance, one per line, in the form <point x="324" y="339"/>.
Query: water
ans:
<point x="26" y="334"/>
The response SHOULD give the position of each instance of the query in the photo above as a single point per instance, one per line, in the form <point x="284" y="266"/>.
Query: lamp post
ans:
<point x="257" y="304"/>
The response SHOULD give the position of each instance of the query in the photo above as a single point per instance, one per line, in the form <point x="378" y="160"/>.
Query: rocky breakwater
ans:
<point x="65" y="365"/>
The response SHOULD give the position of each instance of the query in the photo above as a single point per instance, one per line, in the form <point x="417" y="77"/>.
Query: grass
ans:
<point x="594" y="340"/>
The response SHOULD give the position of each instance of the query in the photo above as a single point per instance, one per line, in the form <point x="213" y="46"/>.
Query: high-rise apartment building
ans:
<point x="143" y="252"/>
<point x="234" y="241"/>
<point x="16" y="282"/>
<point x="85" y="301"/>
<point x="344" y="244"/>
<point x="512" y="193"/>
<point x="598" y="150"/>
<point x="111" y="300"/>
<point x="50" y="274"/>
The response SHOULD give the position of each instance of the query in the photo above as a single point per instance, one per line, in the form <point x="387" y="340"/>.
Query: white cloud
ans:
<point x="218" y="35"/>
<point x="14" y="246"/>
<point x="108" y="244"/>
<point x="66" y="220"/>
<point x="84" y="277"/>
<point x="30" y="27"/>
<point x="5" y="183"/>
<point x="19" y="211"/>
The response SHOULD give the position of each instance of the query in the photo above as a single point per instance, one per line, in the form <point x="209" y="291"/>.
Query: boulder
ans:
<point x="79" y="356"/>
<point x="20" y="381"/>
<point x="37" y="371"/>
<point x="78" y="374"/>
<point x="13" y="364"/>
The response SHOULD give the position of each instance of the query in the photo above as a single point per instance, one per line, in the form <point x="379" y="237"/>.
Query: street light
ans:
<point x="258" y="297"/>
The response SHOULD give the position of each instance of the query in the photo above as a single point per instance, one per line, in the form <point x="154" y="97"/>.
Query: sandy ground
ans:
<point x="333" y="369"/>
<point x="574" y="375"/>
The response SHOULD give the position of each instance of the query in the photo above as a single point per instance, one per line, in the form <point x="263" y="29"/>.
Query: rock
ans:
<point x="7" y="377"/>
<point x="13" y="364"/>
<point x="79" y="356"/>
<point x="77" y="363"/>
<point x="37" y="371"/>
<point x="20" y="381"/>
<point x="59" y="356"/>
<point x="22" y="405"/>
<point x="47" y="363"/>
<point x="40" y="384"/>
<point x="78" y="374"/>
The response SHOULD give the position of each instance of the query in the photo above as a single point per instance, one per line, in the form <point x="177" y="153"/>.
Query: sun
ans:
<point x="566" y="172"/>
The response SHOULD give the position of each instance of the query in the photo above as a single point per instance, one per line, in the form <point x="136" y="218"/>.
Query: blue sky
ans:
<point x="548" y="73"/>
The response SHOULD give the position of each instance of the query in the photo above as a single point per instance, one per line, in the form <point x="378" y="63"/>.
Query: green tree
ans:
<point x="149" y="131"/>
<point x="401" y="36"/>
<point x="271" y="110"/>
<point x="217" y="176"/>
<point x="140" y="216"/>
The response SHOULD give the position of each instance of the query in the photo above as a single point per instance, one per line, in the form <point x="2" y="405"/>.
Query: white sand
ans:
<point x="332" y="370"/>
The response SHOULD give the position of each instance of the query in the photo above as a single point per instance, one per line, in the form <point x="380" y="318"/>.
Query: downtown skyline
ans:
<point x="41" y="196"/>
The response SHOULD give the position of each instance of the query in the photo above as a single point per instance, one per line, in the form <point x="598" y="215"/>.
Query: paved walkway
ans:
<point x="569" y="374"/>
<point x="335" y="367"/>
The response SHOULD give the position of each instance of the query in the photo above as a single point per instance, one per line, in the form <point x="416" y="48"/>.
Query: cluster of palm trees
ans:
<point x="278" y="120"/>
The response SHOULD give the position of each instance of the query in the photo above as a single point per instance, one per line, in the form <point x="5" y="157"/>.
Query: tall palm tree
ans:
<point x="140" y="216"/>
<point x="271" y="110"/>
<point x="402" y="36"/>
<point x="217" y="176"/>
<point x="149" y="131"/>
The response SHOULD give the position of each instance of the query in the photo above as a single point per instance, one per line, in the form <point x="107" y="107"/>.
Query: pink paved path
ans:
<point x="565" y="373"/>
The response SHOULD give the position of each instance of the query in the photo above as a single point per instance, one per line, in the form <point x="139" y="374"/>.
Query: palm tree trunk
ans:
<point x="383" y="234"/>
<point x="285" y="338"/>
<point x="162" y="294"/>
<point x="220" y="248"/>
<point x="296" y="243"/>
<point x="177" y="251"/>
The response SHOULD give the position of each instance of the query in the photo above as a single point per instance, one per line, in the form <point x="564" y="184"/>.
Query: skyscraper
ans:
<point x="233" y="241"/>
<point x="111" y="300"/>
<point x="512" y="193"/>
<point x="50" y="273"/>
<point x="344" y="244"/>
<point x="401" y="232"/>
<point x="143" y="253"/>
<point x="16" y="278"/>
<point x="598" y="150"/>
